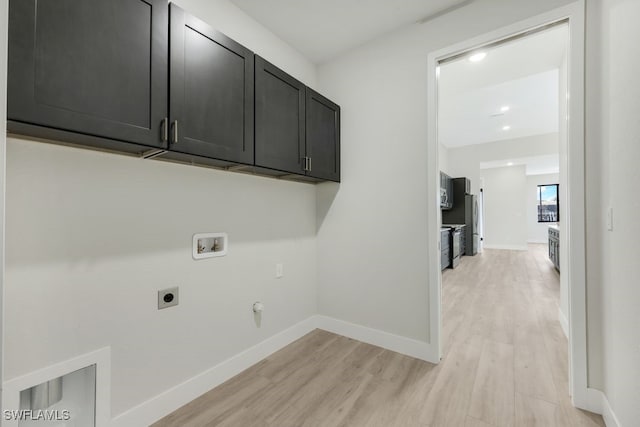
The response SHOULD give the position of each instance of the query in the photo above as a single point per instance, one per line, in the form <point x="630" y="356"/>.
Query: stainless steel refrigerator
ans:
<point x="464" y="211"/>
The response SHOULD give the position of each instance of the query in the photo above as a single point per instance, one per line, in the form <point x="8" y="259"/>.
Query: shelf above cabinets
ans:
<point x="149" y="79"/>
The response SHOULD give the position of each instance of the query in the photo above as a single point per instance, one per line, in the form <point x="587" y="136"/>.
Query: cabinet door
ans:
<point x="211" y="92"/>
<point x="322" y="137"/>
<point x="93" y="67"/>
<point x="280" y="107"/>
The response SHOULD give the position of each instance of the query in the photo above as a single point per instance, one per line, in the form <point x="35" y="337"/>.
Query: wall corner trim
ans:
<point x="407" y="346"/>
<point x="597" y="402"/>
<point x="163" y="404"/>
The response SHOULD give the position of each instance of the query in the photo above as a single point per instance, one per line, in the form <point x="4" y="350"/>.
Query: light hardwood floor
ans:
<point x="504" y="364"/>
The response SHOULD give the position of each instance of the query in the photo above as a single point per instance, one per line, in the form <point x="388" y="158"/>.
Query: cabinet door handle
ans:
<point x="175" y="131"/>
<point x="309" y="168"/>
<point x="305" y="164"/>
<point x="165" y="129"/>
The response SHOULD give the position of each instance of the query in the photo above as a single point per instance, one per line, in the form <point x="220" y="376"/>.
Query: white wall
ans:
<point x="92" y="236"/>
<point x="443" y="158"/>
<point x="537" y="232"/>
<point x="372" y="237"/>
<point x="465" y="161"/>
<point x="613" y="152"/>
<point x="505" y="206"/>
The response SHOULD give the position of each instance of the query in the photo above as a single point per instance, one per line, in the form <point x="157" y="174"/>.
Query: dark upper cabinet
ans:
<point x="91" y="67"/>
<point x="297" y="129"/>
<point x="280" y="119"/>
<point x="322" y="137"/>
<point x="211" y="92"/>
<point x="145" y="77"/>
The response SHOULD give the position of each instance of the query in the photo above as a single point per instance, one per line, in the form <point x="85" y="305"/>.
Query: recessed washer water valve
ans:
<point x="258" y="307"/>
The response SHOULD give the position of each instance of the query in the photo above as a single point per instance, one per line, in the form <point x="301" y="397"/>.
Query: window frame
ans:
<point x="539" y="203"/>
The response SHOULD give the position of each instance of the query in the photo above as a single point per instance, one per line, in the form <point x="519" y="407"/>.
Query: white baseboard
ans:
<point x="410" y="347"/>
<point x="163" y="404"/>
<point x="541" y="241"/>
<point x="507" y="247"/>
<point x="598" y="403"/>
<point x="564" y="323"/>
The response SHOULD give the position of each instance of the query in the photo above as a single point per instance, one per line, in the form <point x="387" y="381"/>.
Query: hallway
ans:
<point x="500" y="326"/>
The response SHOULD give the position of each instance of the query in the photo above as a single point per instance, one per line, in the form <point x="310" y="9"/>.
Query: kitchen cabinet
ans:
<point x="322" y="137"/>
<point x="554" y="246"/>
<point x="445" y="248"/>
<point x="147" y="78"/>
<point x="280" y="103"/>
<point x="297" y="129"/>
<point x="211" y="92"/>
<point x="446" y="191"/>
<point x="92" y="72"/>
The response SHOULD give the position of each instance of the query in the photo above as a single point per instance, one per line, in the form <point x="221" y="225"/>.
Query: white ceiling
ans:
<point x="323" y="29"/>
<point x="522" y="74"/>
<point x="535" y="165"/>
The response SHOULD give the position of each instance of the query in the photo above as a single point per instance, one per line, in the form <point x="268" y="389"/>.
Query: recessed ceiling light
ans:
<point x="477" y="57"/>
<point x="506" y="127"/>
<point x="510" y="164"/>
<point x="504" y="108"/>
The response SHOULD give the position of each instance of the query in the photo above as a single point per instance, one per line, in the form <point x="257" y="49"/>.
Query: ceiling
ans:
<point x="323" y="29"/>
<point x="535" y="165"/>
<point x="522" y="74"/>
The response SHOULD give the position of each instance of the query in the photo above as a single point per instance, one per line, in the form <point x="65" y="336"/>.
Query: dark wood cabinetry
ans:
<point x="145" y="77"/>
<point x="280" y="119"/>
<point x="322" y="137"/>
<point x="554" y="247"/>
<point x="445" y="248"/>
<point x="211" y="92"/>
<point x="297" y="129"/>
<point x="91" y="67"/>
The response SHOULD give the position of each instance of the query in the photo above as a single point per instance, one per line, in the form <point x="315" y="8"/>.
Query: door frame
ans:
<point x="573" y="266"/>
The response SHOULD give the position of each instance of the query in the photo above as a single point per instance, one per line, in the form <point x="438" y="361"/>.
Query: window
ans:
<point x="548" y="207"/>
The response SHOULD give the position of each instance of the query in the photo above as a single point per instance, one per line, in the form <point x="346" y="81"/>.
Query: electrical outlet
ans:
<point x="279" y="271"/>
<point x="167" y="298"/>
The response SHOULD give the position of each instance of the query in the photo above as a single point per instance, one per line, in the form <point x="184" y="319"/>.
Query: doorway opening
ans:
<point x="493" y="215"/>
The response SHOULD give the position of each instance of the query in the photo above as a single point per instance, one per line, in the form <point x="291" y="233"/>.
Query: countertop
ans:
<point x="554" y="226"/>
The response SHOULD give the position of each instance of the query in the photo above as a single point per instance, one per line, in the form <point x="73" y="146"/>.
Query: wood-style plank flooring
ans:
<point x="504" y="364"/>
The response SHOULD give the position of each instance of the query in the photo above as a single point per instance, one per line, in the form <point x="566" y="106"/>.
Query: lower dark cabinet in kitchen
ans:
<point x="92" y="72"/>
<point x="445" y="248"/>
<point x="211" y="92"/>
